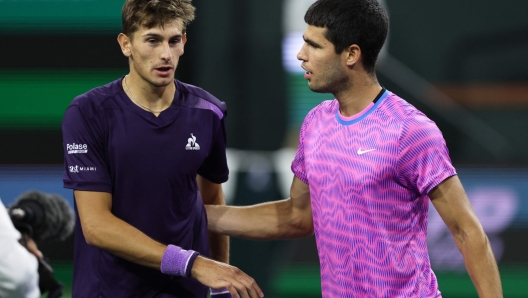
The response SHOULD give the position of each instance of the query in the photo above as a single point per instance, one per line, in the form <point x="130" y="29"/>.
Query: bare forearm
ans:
<point x="218" y="243"/>
<point x="219" y="246"/>
<point x="267" y="221"/>
<point x="480" y="263"/>
<point x="451" y="202"/>
<point x="212" y="194"/>
<point x="123" y="240"/>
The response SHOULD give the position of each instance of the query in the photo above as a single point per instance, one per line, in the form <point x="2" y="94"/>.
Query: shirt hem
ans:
<point x="89" y="186"/>
<point x="437" y="182"/>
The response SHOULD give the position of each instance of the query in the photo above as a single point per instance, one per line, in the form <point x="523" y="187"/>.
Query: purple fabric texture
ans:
<point x="204" y="104"/>
<point x="222" y="293"/>
<point x="175" y="261"/>
<point x="149" y="166"/>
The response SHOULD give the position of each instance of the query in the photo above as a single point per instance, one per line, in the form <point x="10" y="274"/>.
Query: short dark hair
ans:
<point x="348" y="22"/>
<point x="154" y="13"/>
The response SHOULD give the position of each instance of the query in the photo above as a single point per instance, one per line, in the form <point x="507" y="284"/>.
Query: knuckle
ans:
<point x="236" y="270"/>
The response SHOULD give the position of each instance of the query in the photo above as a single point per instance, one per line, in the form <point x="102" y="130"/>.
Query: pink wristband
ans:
<point x="177" y="261"/>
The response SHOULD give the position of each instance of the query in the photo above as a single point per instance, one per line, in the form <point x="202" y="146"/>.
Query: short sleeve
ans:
<point x="214" y="168"/>
<point x="298" y="166"/>
<point x="423" y="155"/>
<point x="85" y="164"/>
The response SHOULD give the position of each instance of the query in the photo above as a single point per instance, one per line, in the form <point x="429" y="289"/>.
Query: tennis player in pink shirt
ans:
<point x="367" y="165"/>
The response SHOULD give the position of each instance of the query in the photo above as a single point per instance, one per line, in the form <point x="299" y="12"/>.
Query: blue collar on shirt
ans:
<point x="383" y="94"/>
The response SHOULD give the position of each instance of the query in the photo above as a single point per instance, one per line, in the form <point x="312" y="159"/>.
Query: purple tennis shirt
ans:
<point x="369" y="177"/>
<point x="149" y="165"/>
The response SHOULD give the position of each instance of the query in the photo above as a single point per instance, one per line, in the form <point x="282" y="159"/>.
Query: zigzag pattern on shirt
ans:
<point x="370" y="210"/>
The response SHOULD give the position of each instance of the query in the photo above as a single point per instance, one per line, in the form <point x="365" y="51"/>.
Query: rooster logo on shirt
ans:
<point x="191" y="143"/>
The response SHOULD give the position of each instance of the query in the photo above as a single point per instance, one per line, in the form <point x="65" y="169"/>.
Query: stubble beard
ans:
<point x="162" y="85"/>
<point x="150" y="81"/>
<point x="156" y="84"/>
<point x="332" y="83"/>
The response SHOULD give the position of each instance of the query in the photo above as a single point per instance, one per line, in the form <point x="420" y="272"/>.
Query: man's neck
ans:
<point x="358" y="96"/>
<point x="156" y="97"/>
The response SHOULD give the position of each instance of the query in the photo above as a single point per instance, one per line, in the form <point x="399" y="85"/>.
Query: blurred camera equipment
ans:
<point x="43" y="216"/>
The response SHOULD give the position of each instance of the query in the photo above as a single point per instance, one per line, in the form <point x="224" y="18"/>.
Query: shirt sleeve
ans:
<point x="423" y="155"/>
<point x="298" y="166"/>
<point x="85" y="164"/>
<point x="214" y="168"/>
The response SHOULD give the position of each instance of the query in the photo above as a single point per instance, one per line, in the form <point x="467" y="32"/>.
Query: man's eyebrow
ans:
<point x="311" y="42"/>
<point x="151" y="35"/>
<point x="156" y="35"/>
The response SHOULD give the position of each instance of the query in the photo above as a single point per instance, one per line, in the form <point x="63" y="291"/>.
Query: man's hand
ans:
<point x="30" y="245"/>
<point x="32" y="248"/>
<point x="218" y="275"/>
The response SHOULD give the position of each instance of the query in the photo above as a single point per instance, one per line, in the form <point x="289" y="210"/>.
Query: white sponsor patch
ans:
<point x="76" y="148"/>
<point x="78" y="169"/>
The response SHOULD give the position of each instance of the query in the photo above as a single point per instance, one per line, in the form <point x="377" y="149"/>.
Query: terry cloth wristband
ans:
<point x="177" y="261"/>
<point x="222" y="293"/>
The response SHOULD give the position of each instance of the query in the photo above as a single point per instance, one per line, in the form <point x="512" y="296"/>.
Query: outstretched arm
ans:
<point x="104" y="230"/>
<point x="451" y="202"/>
<point x="289" y="218"/>
<point x="212" y="194"/>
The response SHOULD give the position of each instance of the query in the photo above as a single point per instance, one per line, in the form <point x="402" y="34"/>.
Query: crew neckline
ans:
<point x="365" y="112"/>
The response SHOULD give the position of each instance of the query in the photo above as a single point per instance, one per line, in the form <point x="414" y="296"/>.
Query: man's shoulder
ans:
<point x="327" y="107"/>
<point x="93" y="100"/>
<point x="409" y="119"/>
<point x="196" y="97"/>
<point x="401" y="110"/>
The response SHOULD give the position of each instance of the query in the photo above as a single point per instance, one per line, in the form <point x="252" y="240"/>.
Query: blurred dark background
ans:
<point x="464" y="64"/>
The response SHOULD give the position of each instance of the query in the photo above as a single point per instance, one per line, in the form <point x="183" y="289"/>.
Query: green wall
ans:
<point x="38" y="98"/>
<point x="59" y="15"/>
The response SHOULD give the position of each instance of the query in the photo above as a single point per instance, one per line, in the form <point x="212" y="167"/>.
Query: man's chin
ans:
<point x="163" y="83"/>
<point x="319" y="89"/>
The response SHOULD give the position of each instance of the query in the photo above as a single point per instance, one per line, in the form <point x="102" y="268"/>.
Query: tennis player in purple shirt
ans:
<point x="367" y="165"/>
<point x="143" y="154"/>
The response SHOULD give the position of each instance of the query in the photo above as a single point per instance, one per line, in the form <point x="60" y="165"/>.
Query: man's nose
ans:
<point x="301" y="54"/>
<point x="167" y="54"/>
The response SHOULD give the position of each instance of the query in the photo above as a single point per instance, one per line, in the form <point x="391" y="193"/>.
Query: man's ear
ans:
<point x="184" y="41"/>
<point x="124" y="43"/>
<point x="352" y="55"/>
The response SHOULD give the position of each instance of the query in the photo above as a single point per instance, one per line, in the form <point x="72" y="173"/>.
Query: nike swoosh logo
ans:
<point x="359" y="152"/>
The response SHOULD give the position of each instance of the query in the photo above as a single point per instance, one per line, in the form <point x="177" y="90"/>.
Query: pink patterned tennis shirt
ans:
<point x="369" y="177"/>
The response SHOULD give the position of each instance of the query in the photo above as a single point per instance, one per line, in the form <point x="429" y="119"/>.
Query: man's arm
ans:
<point x="212" y="194"/>
<point x="106" y="231"/>
<point x="451" y="202"/>
<point x="289" y="218"/>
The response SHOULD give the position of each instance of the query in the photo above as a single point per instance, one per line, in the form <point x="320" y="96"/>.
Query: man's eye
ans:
<point x="152" y="40"/>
